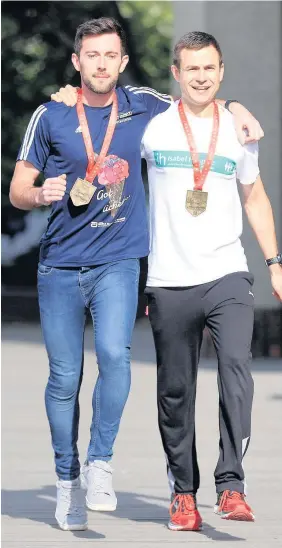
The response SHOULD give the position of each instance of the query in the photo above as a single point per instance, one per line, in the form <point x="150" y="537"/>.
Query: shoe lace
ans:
<point x="236" y="495"/>
<point x="100" y="480"/>
<point x="230" y="494"/>
<point x="182" y="504"/>
<point x="74" y="503"/>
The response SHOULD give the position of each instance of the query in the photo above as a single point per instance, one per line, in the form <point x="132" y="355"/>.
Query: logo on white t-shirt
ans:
<point x="182" y="159"/>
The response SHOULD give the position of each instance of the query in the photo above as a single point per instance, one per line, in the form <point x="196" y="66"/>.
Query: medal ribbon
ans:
<point x="94" y="167"/>
<point x="200" y="175"/>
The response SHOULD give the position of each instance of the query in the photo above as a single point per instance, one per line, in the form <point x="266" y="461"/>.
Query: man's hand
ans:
<point x="276" y="281"/>
<point x="67" y="95"/>
<point x="52" y="190"/>
<point x="247" y="127"/>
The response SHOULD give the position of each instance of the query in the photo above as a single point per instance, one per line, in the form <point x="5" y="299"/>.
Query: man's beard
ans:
<point x="110" y="86"/>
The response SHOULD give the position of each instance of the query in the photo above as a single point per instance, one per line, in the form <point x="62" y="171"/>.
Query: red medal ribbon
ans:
<point x="200" y="175"/>
<point x="94" y="167"/>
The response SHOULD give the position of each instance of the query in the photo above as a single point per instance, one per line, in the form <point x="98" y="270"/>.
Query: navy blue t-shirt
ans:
<point x="113" y="226"/>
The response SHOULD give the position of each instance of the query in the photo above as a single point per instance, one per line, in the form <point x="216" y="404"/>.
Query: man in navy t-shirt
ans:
<point x="89" y="256"/>
<point x="90" y="251"/>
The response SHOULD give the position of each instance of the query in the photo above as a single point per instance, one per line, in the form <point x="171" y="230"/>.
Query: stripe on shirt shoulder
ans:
<point x="150" y="91"/>
<point x="29" y="134"/>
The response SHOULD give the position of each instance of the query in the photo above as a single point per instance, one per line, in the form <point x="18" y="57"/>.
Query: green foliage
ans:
<point x="37" y="42"/>
<point x="151" y="28"/>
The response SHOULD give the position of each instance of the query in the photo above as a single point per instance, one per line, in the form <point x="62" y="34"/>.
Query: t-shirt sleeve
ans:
<point x="144" y="141"/>
<point x="155" y="102"/>
<point x="142" y="149"/>
<point x="35" y="147"/>
<point x="247" y="167"/>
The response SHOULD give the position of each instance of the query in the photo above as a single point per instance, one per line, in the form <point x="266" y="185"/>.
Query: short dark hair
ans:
<point x="195" y="40"/>
<point x="96" y="27"/>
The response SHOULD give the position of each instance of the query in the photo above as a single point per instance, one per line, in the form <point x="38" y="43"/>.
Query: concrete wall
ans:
<point x="250" y="35"/>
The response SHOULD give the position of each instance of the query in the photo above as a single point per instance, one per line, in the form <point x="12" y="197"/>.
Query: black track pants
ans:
<point x="178" y="317"/>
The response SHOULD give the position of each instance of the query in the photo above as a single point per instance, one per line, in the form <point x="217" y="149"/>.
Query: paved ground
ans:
<point x="140" y="521"/>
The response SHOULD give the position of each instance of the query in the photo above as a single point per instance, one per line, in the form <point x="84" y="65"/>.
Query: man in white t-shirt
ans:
<point x="198" y="275"/>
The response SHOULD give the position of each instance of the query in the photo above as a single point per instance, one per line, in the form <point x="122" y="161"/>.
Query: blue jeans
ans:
<point x="110" y="291"/>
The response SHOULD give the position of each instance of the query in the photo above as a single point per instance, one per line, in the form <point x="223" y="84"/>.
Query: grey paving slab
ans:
<point x="28" y="479"/>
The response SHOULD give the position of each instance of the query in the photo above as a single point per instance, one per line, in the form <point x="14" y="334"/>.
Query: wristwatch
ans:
<point x="274" y="260"/>
<point x="227" y="103"/>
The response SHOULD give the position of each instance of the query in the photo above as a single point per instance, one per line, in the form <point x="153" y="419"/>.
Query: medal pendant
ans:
<point x="196" y="202"/>
<point x="82" y="192"/>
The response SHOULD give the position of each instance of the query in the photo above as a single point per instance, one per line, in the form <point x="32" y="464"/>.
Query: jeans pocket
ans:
<point x="44" y="270"/>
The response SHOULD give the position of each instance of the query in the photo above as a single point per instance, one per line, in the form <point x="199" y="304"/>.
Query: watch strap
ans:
<point x="227" y="103"/>
<point x="274" y="260"/>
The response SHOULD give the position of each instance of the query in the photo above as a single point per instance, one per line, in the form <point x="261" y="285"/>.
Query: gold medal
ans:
<point x="196" y="202"/>
<point x="83" y="189"/>
<point x="82" y="192"/>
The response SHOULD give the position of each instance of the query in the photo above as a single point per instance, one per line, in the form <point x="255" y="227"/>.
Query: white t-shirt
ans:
<point x="187" y="250"/>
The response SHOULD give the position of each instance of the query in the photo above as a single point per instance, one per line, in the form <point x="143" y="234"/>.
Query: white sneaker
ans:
<point x="97" y="478"/>
<point x="71" y="510"/>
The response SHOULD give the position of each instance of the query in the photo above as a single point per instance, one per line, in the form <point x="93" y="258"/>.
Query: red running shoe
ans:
<point x="232" y="505"/>
<point x="184" y="515"/>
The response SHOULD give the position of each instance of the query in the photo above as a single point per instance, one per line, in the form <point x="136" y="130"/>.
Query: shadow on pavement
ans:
<point x="276" y="397"/>
<point x="39" y="505"/>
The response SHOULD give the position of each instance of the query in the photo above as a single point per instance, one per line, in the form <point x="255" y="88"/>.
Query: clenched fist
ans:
<point x="52" y="190"/>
